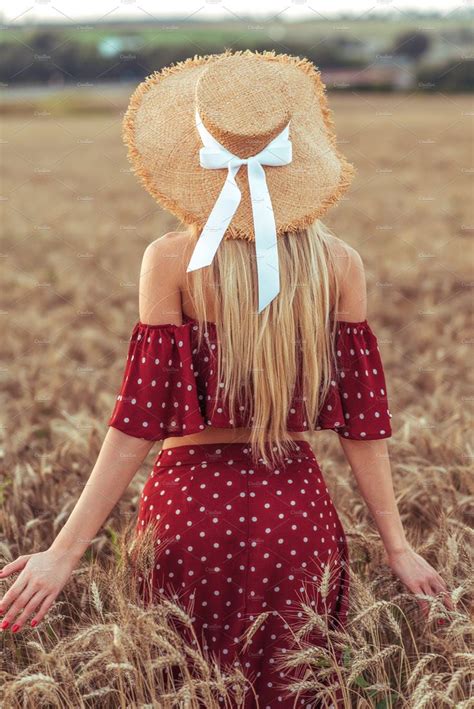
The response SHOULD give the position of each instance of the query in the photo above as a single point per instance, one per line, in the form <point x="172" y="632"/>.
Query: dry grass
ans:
<point x="75" y="226"/>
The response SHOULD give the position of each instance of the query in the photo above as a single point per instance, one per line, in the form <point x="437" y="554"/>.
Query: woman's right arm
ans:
<point x="44" y="574"/>
<point x="370" y="463"/>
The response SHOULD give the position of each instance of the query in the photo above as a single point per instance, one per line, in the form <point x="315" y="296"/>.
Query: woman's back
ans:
<point x="165" y="292"/>
<point x="188" y="398"/>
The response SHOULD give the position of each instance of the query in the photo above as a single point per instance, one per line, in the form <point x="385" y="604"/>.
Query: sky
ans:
<point x="30" y="11"/>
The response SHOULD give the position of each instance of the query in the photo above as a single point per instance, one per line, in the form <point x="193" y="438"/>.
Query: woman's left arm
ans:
<point x="370" y="463"/>
<point x="42" y="575"/>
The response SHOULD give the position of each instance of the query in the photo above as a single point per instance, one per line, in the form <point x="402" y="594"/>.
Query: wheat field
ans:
<point x="75" y="225"/>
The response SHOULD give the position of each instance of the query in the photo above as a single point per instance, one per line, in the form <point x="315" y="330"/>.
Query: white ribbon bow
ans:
<point x="214" y="156"/>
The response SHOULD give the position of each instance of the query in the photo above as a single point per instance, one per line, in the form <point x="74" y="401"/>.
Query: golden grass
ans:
<point x="75" y="227"/>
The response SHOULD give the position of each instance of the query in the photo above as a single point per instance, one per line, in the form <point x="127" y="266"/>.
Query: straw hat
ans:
<point x="244" y="98"/>
<point x="242" y="104"/>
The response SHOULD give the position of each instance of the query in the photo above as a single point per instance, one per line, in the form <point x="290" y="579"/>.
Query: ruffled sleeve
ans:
<point x="159" y="395"/>
<point x="357" y="405"/>
<point x="168" y="386"/>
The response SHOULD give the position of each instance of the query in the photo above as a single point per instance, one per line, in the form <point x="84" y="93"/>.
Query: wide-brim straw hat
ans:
<point x="244" y="99"/>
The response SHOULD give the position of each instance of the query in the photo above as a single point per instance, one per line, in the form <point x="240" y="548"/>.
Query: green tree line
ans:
<point x="49" y="56"/>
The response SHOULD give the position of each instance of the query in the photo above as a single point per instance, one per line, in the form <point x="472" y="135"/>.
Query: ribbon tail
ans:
<point x="265" y="236"/>
<point x="217" y="222"/>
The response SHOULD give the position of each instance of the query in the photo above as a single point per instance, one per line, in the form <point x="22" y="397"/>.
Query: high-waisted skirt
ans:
<point x="235" y="540"/>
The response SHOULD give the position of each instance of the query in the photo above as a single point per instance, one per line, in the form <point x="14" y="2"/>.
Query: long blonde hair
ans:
<point x="260" y="355"/>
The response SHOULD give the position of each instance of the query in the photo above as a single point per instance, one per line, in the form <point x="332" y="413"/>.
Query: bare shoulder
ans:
<point x="175" y="247"/>
<point x="160" y="279"/>
<point x="343" y="254"/>
<point x="350" y="275"/>
<point x="166" y="243"/>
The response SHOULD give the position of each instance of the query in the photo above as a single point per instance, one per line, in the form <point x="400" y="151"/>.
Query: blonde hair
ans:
<point x="260" y="355"/>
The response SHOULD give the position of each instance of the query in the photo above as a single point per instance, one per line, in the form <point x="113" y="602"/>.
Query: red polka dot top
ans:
<point x="169" y="385"/>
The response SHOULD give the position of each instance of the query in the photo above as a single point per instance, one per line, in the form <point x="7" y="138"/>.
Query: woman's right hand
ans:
<point x="419" y="577"/>
<point x="43" y="576"/>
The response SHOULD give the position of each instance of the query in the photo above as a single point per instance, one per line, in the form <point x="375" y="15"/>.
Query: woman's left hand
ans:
<point x="419" y="576"/>
<point x="42" y="576"/>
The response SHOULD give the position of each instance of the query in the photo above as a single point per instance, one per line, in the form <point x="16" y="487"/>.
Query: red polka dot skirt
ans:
<point x="235" y="539"/>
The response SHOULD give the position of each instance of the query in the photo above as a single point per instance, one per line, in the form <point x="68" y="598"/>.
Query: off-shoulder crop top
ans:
<point x="169" y="386"/>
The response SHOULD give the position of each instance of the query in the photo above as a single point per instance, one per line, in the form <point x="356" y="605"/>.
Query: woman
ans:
<point x="243" y="521"/>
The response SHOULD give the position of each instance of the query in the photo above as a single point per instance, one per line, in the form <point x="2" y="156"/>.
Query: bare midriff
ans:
<point x="220" y="435"/>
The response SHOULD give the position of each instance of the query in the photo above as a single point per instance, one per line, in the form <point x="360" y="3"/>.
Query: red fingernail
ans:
<point x="5" y="624"/>
<point x="33" y="623"/>
<point x="15" y="628"/>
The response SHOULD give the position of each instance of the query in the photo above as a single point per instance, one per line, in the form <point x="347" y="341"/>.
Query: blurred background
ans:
<point x="75" y="223"/>
<point x="387" y="46"/>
